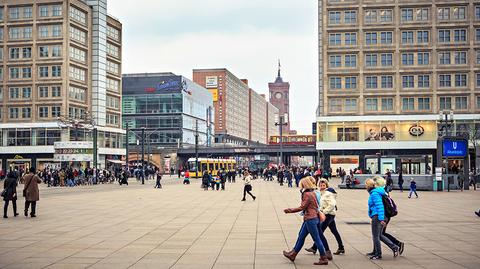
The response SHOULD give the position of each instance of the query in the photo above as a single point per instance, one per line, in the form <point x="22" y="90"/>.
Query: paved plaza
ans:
<point x="182" y="226"/>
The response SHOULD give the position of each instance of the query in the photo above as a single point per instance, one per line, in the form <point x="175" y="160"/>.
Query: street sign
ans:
<point x="454" y="148"/>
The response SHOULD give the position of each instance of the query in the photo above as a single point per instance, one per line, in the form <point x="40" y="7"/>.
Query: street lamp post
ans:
<point x="143" y="155"/>
<point x="281" y="120"/>
<point x="196" y="148"/>
<point x="446" y="123"/>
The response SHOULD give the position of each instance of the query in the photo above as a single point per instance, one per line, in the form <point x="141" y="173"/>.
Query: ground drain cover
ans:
<point x="357" y="222"/>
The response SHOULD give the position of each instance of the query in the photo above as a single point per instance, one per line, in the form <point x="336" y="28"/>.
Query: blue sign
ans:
<point x="455" y="148"/>
<point x="172" y="84"/>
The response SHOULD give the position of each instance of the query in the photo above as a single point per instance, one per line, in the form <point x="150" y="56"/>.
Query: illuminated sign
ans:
<point x="150" y="90"/>
<point x="454" y="148"/>
<point x="169" y="84"/>
<point x="416" y="130"/>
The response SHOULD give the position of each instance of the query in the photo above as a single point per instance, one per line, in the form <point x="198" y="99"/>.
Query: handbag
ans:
<point x="3" y="193"/>
<point x="25" y="190"/>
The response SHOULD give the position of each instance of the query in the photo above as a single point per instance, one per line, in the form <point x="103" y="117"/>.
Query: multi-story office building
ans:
<point x="386" y="70"/>
<point x="59" y="59"/>
<point x="240" y="113"/>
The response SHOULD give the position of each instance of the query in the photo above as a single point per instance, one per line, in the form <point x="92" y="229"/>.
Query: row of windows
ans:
<point x="16" y="53"/>
<point x="75" y="112"/>
<point x="78" y="54"/>
<point x="113" y="67"/>
<point x="113" y="33"/>
<point x="48" y="111"/>
<point x="77" y="94"/>
<point x="47" y="31"/>
<point x="26" y="12"/>
<point x="113" y="85"/>
<point x="78" y="15"/>
<point x="112" y="119"/>
<point x="407" y="104"/>
<point x="113" y="50"/>
<point x="113" y="102"/>
<point x="420" y="14"/>
<point x="49" y="91"/>
<point x="78" y="35"/>
<point x="77" y="73"/>
<point x="408" y="81"/>
<point x="407" y="37"/>
<point x="25" y="93"/>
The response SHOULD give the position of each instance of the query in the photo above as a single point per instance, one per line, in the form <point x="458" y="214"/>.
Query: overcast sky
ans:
<point x="247" y="37"/>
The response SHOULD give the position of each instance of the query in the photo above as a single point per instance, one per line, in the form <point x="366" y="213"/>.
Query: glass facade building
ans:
<point x="169" y="107"/>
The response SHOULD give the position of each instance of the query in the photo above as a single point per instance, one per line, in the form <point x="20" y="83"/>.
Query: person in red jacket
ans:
<point x="186" y="179"/>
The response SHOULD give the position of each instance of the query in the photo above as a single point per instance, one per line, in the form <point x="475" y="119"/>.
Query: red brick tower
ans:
<point x="279" y="97"/>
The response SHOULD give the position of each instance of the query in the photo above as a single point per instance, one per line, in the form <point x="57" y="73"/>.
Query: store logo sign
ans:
<point x="416" y="130"/>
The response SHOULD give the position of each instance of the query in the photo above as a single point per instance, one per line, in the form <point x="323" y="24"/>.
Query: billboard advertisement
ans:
<point x="211" y="82"/>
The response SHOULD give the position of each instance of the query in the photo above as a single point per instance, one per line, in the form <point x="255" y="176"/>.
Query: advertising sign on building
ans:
<point x="211" y="82"/>
<point x="454" y="148"/>
<point x="73" y="151"/>
<point x="214" y="93"/>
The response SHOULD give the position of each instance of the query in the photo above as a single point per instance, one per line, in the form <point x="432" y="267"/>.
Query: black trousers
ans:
<point x="5" y="207"/>
<point x="247" y="189"/>
<point x="330" y="223"/>
<point x="34" y="206"/>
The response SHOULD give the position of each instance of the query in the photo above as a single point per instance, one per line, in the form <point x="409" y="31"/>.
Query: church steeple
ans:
<point x="279" y="77"/>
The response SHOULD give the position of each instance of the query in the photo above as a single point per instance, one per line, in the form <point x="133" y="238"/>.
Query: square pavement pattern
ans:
<point x="183" y="226"/>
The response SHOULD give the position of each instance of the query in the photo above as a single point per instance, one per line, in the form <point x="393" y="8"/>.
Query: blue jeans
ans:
<point x="309" y="227"/>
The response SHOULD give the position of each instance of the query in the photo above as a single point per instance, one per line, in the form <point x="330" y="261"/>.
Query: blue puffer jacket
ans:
<point x="375" y="204"/>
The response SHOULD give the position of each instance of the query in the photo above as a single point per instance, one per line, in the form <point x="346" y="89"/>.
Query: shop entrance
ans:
<point x="19" y="164"/>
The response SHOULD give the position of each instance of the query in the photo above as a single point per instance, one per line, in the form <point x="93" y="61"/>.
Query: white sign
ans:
<point x="211" y="82"/>
<point x="73" y="151"/>
<point x="438" y="173"/>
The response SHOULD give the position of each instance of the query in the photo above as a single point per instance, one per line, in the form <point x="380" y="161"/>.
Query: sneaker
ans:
<point x="401" y="247"/>
<point x="375" y="257"/>
<point x="395" y="253"/>
<point x="477" y="213"/>
<point x="311" y="250"/>
<point x="370" y="254"/>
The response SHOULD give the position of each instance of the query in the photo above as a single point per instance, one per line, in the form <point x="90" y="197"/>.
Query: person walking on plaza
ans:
<point x="413" y="188"/>
<point x="376" y="212"/>
<point x="461" y="179"/>
<point x="158" y="183"/>
<point x="186" y="179"/>
<point x="400" y="179"/>
<point x="31" y="192"/>
<point x="328" y="205"/>
<point x="10" y="194"/>
<point x="311" y="219"/>
<point x="205" y="180"/>
<point x="247" y="188"/>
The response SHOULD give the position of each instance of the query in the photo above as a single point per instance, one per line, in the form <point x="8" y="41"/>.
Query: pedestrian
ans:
<point x="389" y="179"/>
<point x="328" y="205"/>
<point x="205" y="180"/>
<point x="461" y="179"/>
<point x="158" y="183"/>
<point x="223" y="179"/>
<point x="311" y="219"/>
<point x="10" y="193"/>
<point x="247" y="188"/>
<point x="217" y="181"/>
<point x="413" y="188"/>
<point x="400" y="180"/>
<point x="186" y="179"/>
<point x="376" y="212"/>
<point x="289" y="176"/>
<point x="31" y="192"/>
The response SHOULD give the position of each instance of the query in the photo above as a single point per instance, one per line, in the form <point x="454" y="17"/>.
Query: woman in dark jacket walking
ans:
<point x="10" y="194"/>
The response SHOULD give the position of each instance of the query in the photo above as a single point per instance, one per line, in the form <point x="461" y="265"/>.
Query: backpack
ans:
<point x="390" y="206"/>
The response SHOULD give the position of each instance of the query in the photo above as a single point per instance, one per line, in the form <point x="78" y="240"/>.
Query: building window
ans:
<point x="477" y="34"/>
<point x="444" y="58"/>
<point x="424" y="103"/>
<point x="43" y="51"/>
<point x="387" y="59"/>
<point x="459" y="13"/>
<point x="477" y="12"/>
<point x="56" y="71"/>
<point x="56" y="30"/>
<point x="113" y="102"/>
<point x="56" y="91"/>
<point x="423" y="58"/>
<point x="14" y="33"/>
<point x="386" y="15"/>
<point x="43" y="91"/>
<point x="26" y="93"/>
<point x="461" y="103"/>
<point x="26" y="72"/>
<point x="407" y="58"/>
<point x="27" y="12"/>
<point x="43" y="31"/>
<point x="334" y="17"/>
<point x="445" y="103"/>
<point x="371" y="60"/>
<point x="423" y="81"/>
<point x="114" y="67"/>
<point x="350" y="16"/>
<point x="443" y="14"/>
<point x="372" y="104"/>
<point x="351" y="82"/>
<point x="55" y="111"/>
<point x="408" y="104"/>
<point x="26" y="112"/>
<point x="347" y="134"/>
<point x="77" y="54"/>
<point x="407" y="37"/>
<point x="460" y="35"/>
<point x="371" y="38"/>
<point x="444" y="36"/>
<point x="14" y="13"/>
<point x="387" y="82"/>
<point x="461" y="80"/>
<point x="14" y="93"/>
<point x="78" y="35"/>
<point x="112" y="50"/>
<point x="350" y="105"/>
<point x="56" y="51"/>
<point x="445" y="80"/>
<point x="408" y="81"/>
<point x="43" y="11"/>
<point x="387" y="104"/>
<point x="112" y="119"/>
<point x="113" y="33"/>
<point x="478" y="79"/>
<point x="78" y="15"/>
<point x="422" y="14"/>
<point x="14" y="72"/>
<point x="335" y="105"/>
<point x="350" y="60"/>
<point x="113" y="85"/>
<point x="43" y="112"/>
<point x="77" y="73"/>
<point x="335" y="39"/>
<point x="57" y="10"/>
<point x="350" y="39"/>
<point x="335" y="83"/>
<point x="478" y="102"/>
<point x="422" y="36"/>
<point x="14" y="53"/>
<point x="371" y="82"/>
<point x="460" y="57"/>
<point x="27" y="53"/>
<point x="13" y="113"/>
<point x="407" y="14"/>
<point x="43" y="71"/>
<point x="335" y="61"/>
<point x="386" y="37"/>
<point x="370" y="16"/>
<point x="77" y="94"/>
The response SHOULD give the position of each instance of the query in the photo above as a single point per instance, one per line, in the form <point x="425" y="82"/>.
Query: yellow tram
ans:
<point x="213" y="165"/>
